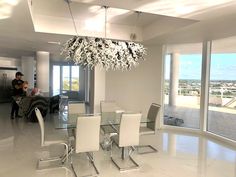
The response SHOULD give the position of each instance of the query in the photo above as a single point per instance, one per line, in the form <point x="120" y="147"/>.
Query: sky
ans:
<point x="223" y="67"/>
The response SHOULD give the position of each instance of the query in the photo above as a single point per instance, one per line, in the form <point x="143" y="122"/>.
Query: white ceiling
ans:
<point x="90" y="20"/>
<point x="175" y="8"/>
<point x="18" y="37"/>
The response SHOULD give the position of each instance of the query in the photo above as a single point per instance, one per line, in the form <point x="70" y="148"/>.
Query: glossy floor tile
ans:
<point x="180" y="155"/>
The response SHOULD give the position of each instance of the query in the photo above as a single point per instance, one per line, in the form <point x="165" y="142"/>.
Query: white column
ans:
<point x="99" y="88"/>
<point x="206" y="63"/>
<point x="42" y="70"/>
<point x="174" y="79"/>
<point x="27" y="65"/>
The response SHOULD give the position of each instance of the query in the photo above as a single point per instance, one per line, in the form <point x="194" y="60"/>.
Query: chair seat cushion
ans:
<point x="51" y="142"/>
<point x="55" y="139"/>
<point x="146" y="130"/>
<point x="107" y="129"/>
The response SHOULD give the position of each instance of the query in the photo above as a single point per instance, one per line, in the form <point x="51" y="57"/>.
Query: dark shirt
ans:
<point x="16" y="91"/>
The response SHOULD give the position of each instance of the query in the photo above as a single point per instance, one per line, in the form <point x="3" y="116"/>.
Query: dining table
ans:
<point x="68" y="121"/>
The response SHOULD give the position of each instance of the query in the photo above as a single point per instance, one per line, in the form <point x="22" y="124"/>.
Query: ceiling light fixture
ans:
<point x="103" y="52"/>
<point x="54" y="42"/>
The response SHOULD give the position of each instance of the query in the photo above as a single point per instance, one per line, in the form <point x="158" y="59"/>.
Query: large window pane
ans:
<point x="66" y="77"/>
<point x="183" y="86"/>
<point x="56" y="80"/>
<point x="222" y="90"/>
<point x="75" y="78"/>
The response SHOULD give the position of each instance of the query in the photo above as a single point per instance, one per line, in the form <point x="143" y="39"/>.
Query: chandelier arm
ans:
<point x="69" y="7"/>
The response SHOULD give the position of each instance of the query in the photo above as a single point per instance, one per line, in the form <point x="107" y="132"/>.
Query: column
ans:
<point x="42" y="71"/>
<point x="206" y="63"/>
<point x="99" y="87"/>
<point x="174" y="79"/>
<point x="27" y="65"/>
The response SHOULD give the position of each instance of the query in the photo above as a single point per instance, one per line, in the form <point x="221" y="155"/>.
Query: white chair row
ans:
<point x="89" y="127"/>
<point x="150" y="128"/>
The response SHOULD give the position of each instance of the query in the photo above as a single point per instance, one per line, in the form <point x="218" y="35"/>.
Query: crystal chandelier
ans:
<point x="103" y="52"/>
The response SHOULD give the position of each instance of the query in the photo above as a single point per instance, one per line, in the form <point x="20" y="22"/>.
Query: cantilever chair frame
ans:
<point x="107" y="129"/>
<point x="152" y="132"/>
<point x="63" y="158"/>
<point x="81" y="131"/>
<point x="123" y="143"/>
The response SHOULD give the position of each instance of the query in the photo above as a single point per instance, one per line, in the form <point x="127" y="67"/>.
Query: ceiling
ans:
<point x="24" y="30"/>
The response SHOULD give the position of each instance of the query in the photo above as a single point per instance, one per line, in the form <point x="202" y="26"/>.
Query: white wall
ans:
<point x="42" y="69"/>
<point x="135" y="90"/>
<point x="28" y="67"/>
<point x="99" y="88"/>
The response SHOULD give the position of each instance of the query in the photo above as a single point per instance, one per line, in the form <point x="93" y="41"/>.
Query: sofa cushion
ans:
<point x="28" y="104"/>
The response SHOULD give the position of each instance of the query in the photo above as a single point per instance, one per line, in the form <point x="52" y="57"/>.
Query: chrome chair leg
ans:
<point x="152" y="149"/>
<point x="123" y="156"/>
<point x="62" y="159"/>
<point x="91" y="160"/>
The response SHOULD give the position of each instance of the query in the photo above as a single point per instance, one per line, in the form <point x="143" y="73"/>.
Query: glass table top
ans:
<point x="68" y="121"/>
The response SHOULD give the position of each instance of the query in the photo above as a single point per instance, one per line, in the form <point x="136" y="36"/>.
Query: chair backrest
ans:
<point x="76" y="108"/>
<point x="108" y="106"/>
<point x="129" y="129"/>
<point x="152" y="115"/>
<point x="41" y="124"/>
<point x="87" y="134"/>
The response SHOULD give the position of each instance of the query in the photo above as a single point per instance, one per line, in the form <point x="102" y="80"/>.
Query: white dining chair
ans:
<point x="127" y="137"/>
<point x="87" y="138"/>
<point x="46" y="143"/>
<point x="110" y="109"/>
<point x="150" y="128"/>
<point x="74" y="108"/>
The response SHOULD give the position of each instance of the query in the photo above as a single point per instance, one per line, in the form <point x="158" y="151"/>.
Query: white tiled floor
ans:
<point x="179" y="155"/>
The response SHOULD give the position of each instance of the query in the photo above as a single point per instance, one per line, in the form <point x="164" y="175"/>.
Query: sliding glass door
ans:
<point x="182" y="89"/>
<point x="183" y="86"/>
<point x="222" y="91"/>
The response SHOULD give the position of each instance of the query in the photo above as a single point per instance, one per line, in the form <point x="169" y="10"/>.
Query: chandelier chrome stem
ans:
<point x="72" y="17"/>
<point x="105" y="23"/>
<point x="133" y="35"/>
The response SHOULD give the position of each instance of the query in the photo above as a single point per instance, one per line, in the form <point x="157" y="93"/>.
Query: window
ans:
<point x="222" y="92"/>
<point x="56" y="80"/>
<point x="183" y="86"/>
<point x="65" y="78"/>
<point x="75" y="78"/>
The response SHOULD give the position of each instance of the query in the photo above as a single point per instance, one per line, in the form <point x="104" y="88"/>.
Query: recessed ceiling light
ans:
<point x="54" y="42"/>
<point x="12" y="2"/>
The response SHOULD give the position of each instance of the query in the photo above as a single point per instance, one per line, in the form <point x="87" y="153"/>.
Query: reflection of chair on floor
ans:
<point x="45" y="143"/>
<point x="128" y="136"/>
<point x="87" y="137"/>
<point x="151" y="126"/>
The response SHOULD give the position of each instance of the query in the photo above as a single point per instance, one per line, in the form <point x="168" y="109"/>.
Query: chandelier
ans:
<point x="103" y="52"/>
